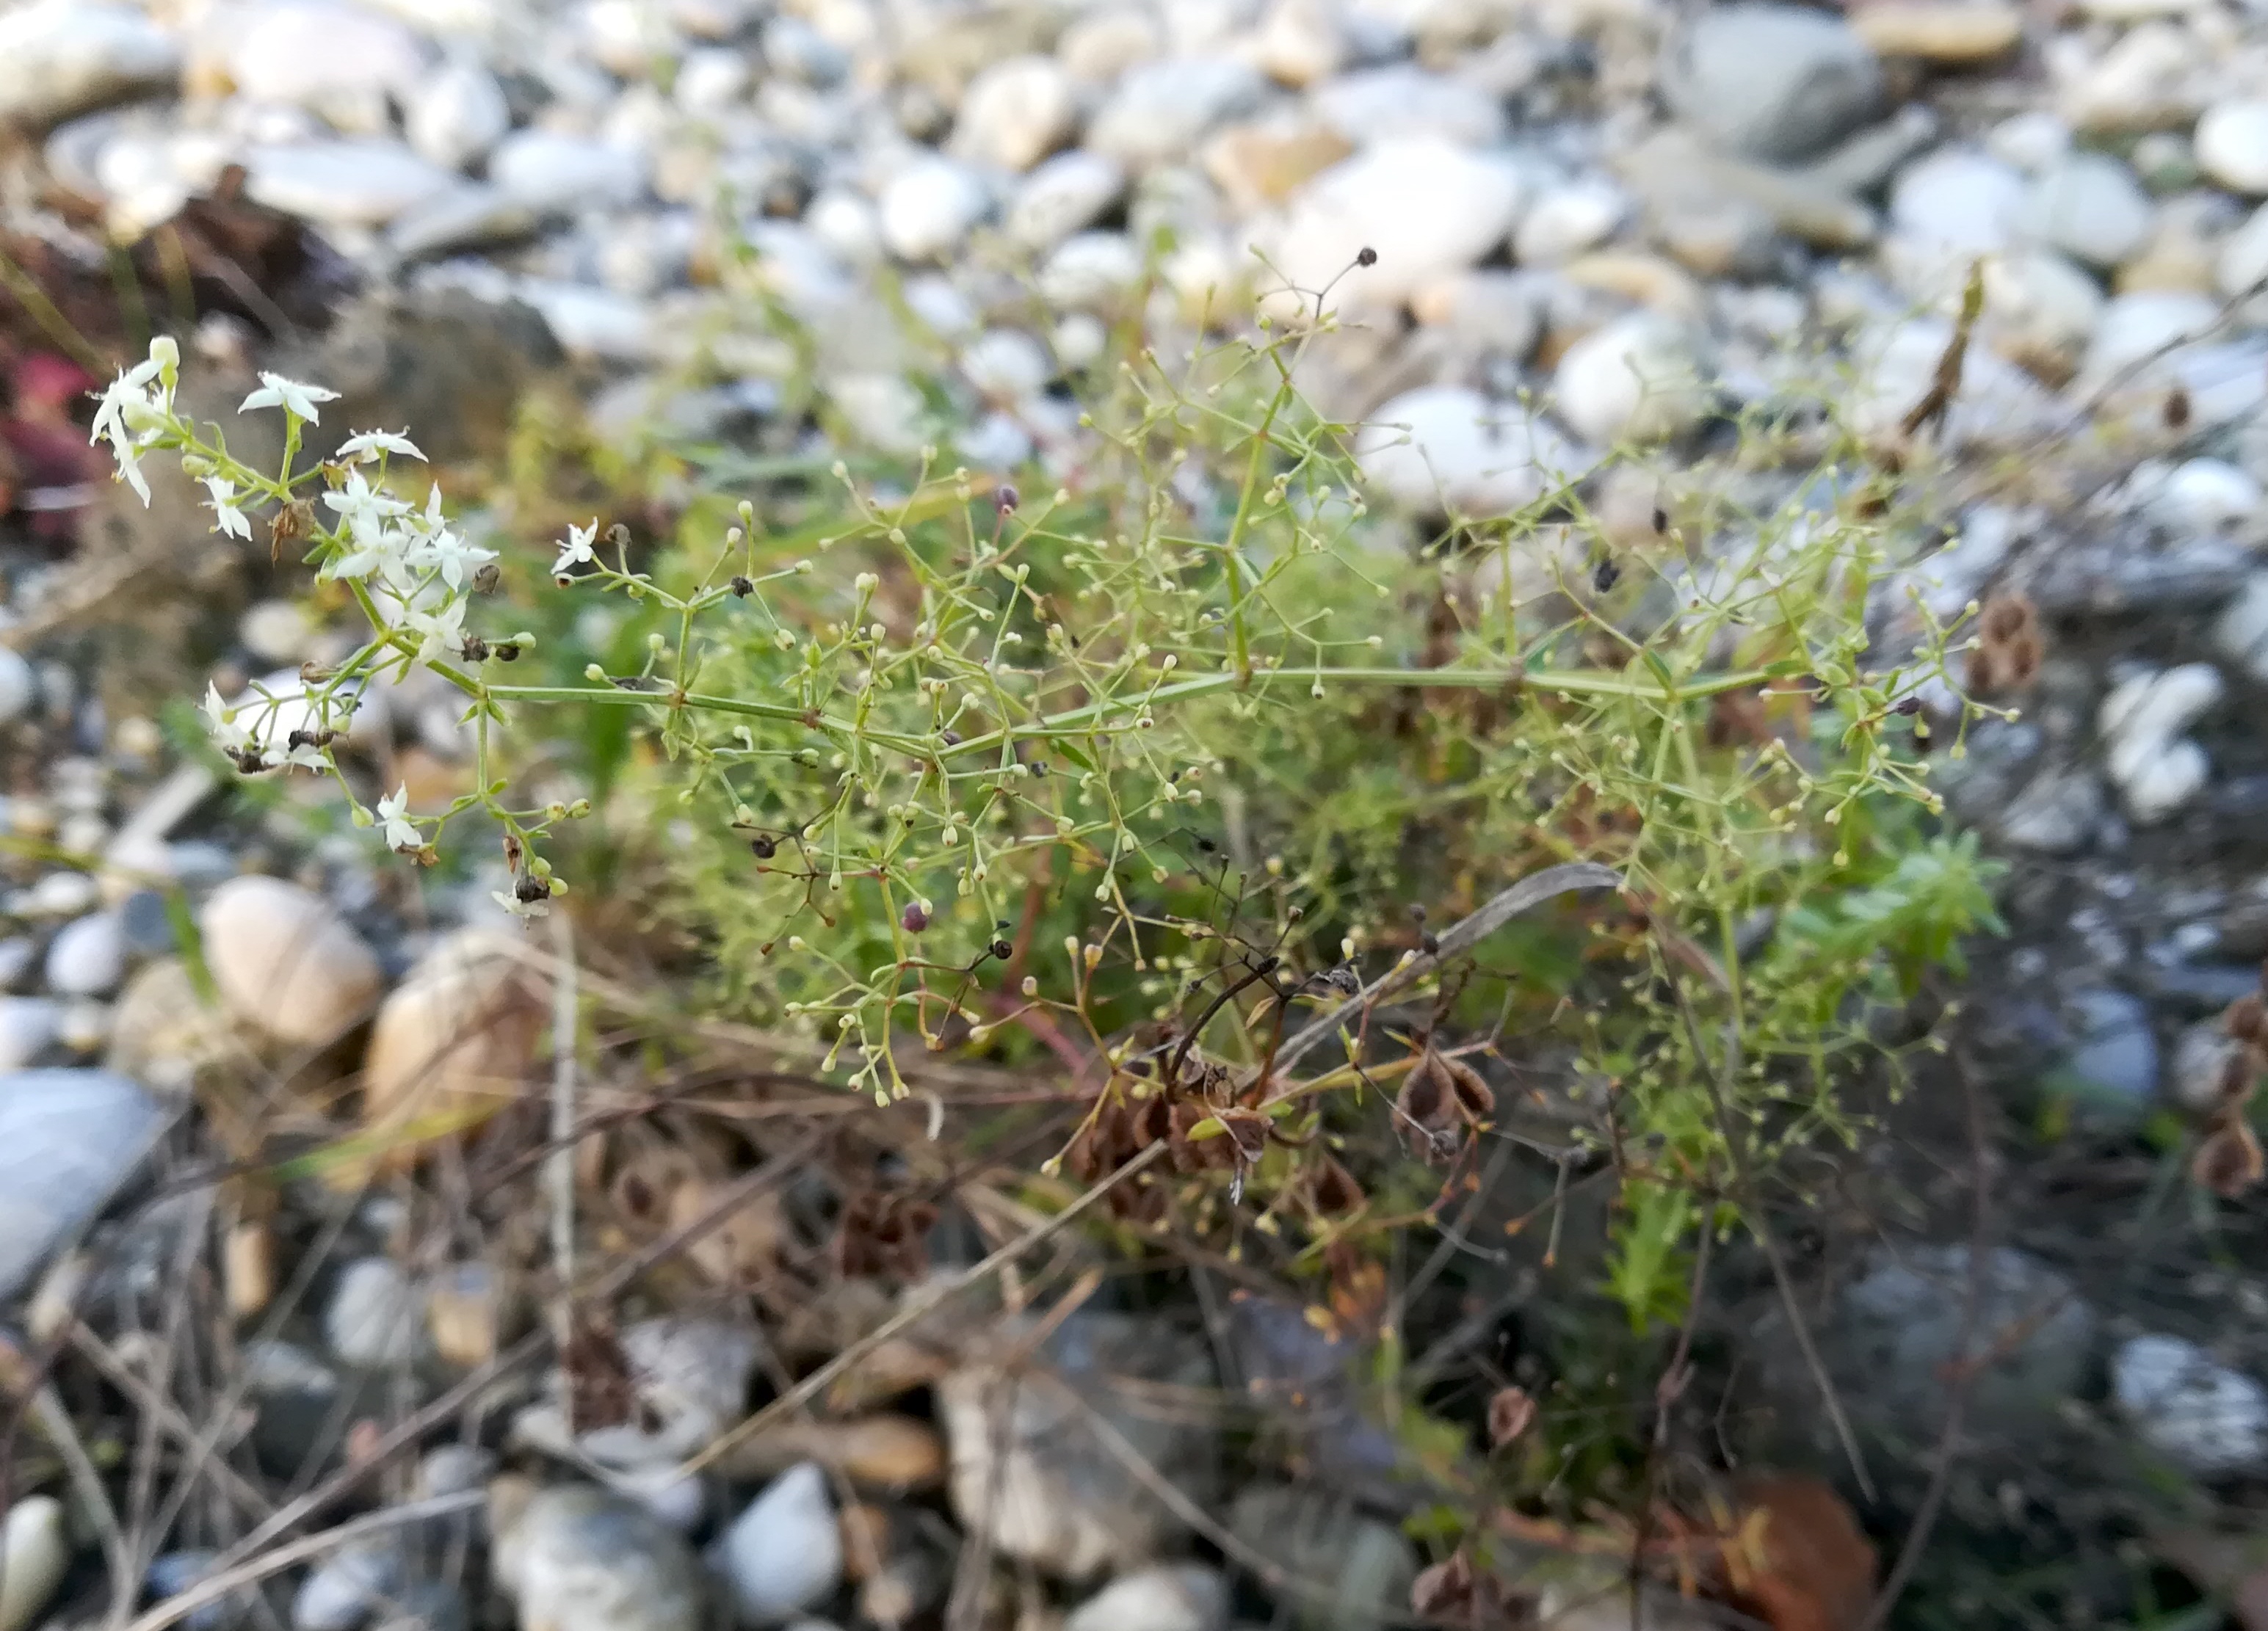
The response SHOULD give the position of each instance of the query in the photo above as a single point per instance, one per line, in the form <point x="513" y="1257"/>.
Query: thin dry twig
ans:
<point x="1525" y="895"/>
<point x="227" y="1582"/>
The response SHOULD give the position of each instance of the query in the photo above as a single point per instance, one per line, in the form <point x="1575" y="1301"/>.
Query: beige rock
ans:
<point x="465" y="1306"/>
<point x="164" y="1032"/>
<point x="1264" y="163"/>
<point x="889" y="1452"/>
<point x="1939" y="32"/>
<point x="451" y="1047"/>
<point x="286" y="962"/>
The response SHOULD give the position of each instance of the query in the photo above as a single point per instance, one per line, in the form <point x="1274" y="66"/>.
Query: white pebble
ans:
<point x="930" y="207"/>
<point x="2203" y="1415"/>
<point x="1165" y="1596"/>
<point x="456" y="116"/>
<point x="784" y="1552"/>
<point x="374" y="1315"/>
<point x="1461" y="452"/>
<point x="2240" y="634"/>
<point x="1636" y="379"/>
<point x="20" y="687"/>
<point x="88" y="957"/>
<point x="27" y="1024"/>
<point x="34" y="1554"/>
<point x="2232" y="144"/>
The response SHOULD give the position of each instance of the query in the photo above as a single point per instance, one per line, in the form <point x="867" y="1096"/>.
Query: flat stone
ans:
<point x="286" y="961"/>
<point x="1161" y="110"/>
<point x="1957" y="32"/>
<point x="62" y="57"/>
<point x="67" y="1139"/>
<point x="357" y="182"/>
<point x="1424" y="207"/>
<point x="2231" y="142"/>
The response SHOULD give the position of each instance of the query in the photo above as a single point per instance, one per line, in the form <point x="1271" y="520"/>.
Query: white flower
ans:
<point x="365" y="445"/>
<point x="401" y="835"/>
<point x="576" y="550"/>
<point x="364" y="509"/>
<point x="290" y="395"/>
<point x="229" y="518"/>
<point x="444" y="630"/>
<point x="220" y="720"/>
<point x="129" y="417"/>
<point x="442" y="551"/>
<point x="512" y="903"/>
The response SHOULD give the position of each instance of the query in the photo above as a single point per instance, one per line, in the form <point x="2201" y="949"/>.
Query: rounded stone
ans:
<point x="1423" y="208"/>
<point x="930" y="207"/>
<point x="784" y="1552"/>
<point x="1447" y="448"/>
<point x="450" y="1044"/>
<point x="1016" y="113"/>
<point x="1637" y="379"/>
<point x="579" y="1558"/>
<point x="1772" y="81"/>
<point x="2090" y="206"/>
<point x="87" y="957"/>
<point x="286" y="961"/>
<point x="374" y="1315"/>
<point x="2232" y="144"/>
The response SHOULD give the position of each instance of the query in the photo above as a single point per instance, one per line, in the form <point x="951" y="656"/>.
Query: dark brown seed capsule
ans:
<point x="1002" y="950"/>
<point x="913" y="919"/>
<point x="1366" y="256"/>
<point x="742" y="587"/>
<point x="763" y="846"/>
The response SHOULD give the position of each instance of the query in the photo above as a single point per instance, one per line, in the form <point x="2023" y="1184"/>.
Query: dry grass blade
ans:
<point x="1945" y="384"/>
<point x="1524" y="896"/>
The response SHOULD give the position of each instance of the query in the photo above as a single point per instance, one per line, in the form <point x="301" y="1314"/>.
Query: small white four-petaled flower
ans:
<point x="401" y="834"/>
<point x="220" y="719"/>
<point x="577" y="551"/>
<point x="365" y="445"/>
<point x="290" y="395"/>
<point x="229" y="518"/>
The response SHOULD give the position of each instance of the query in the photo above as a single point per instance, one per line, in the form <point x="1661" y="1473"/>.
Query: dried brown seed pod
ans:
<point x="1331" y="1188"/>
<point x="2228" y="1162"/>
<point x="1511" y="1413"/>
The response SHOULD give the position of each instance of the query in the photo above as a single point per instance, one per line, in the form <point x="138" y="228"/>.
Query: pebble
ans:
<point x="346" y="1589"/>
<point x="67" y="1139"/>
<point x="2202" y="497"/>
<point x="1956" y="204"/>
<point x="2241" y="633"/>
<point x="28" y="1024"/>
<point x="1899" y="1327"/>
<point x="341" y="61"/>
<point x="2188" y="1407"/>
<point x="1361" y="1567"/>
<point x="1016" y="113"/>
<point x="2114" y="1059"/>
<point x="2231" y="142"/>
<point x="1169" y="1597"/>
<point x="286" y="962"/>
<point x="62" y="57"/>
<point x="1777" y="83"/>
<point x="579" y="1558"/>
<point x="374" y="1315"/>
<point x="19" y="687"/>
<point x="362" y="181"/>
<point x="1065" y="194"/>
<point x="1449" y="449"/>
<point x="1299" y="43"/>
<point x="1566" y="221"/>
<point x="930" y="207"/>
<point x="456" y="115"/>
<point x="1161" y="110"/>
<point x="1031" y="1476"/>
<point x="1403" y="100"/>
<point x="2157" y="768"/>
<point x="1090" y="272"/>
<point x="87" y="957"/>
<point x="1637" y="379"/>
<point x="1953" y="32"/>
<point x="547" y="170"/>
<point x="895" y="1453"/>
<point x="452" y="1042"/>
<point x="784" y="1552"/>
<point x="1425" y="207"/>
<point x="2090" y="206"/>
<point x="2243" y="265"/>
<point x="34" y="1555"/>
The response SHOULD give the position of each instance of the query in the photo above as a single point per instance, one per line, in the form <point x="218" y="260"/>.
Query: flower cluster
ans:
<point x="411" y="573"/>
